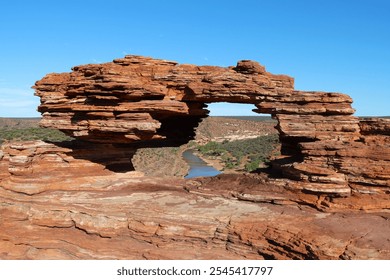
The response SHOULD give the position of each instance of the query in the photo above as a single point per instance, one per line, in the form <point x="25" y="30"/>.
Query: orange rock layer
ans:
<point x="140" y="101"/>
<point x="172" y="218"/>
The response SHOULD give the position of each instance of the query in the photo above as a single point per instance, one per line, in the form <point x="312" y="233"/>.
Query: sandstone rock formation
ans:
<point x="325" y="197"/>
<point x="142" y="101"/>
<point x="154" y="218"/>
<point x="36" y="166"/>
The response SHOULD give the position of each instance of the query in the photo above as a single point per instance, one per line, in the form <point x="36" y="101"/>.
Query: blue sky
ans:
<point x="330" y="45"/>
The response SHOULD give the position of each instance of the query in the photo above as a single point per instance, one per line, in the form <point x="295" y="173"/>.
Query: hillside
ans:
<point x="28" y="129"/>
<point x="219" y="129"/>
<point x="19" y="122"/>
<point x="230" y="144"/>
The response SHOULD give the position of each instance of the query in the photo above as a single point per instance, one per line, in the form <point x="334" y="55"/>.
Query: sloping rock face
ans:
<point x="154" y="218"/>
<point x="141" y="101"/>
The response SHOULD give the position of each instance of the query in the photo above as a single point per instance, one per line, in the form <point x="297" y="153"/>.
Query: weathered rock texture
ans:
<point x="142" y="101"/>
<point x="151" y="218"/>
<point x="36" y="166"/>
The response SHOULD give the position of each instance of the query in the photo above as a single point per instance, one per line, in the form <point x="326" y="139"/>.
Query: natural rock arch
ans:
<point x="138" y="101"/>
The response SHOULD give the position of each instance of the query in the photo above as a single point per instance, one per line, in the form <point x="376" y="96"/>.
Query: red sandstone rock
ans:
<point x="90" y="102"/>
<point x="375" y="126"/>
<point x="35" y="166"/>
<point x="143" y="101"/>
<point x="120" y="222"/>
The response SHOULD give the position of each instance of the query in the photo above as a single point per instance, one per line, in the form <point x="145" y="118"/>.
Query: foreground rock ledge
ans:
<point x="151" y="218"/>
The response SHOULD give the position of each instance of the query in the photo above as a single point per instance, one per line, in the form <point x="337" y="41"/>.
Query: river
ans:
<point x="198" y="167"/>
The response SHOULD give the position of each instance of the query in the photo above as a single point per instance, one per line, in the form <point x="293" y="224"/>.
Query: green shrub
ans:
<point x="252" y="152"/>
<point x="32" y="133"/>
<point x="212" y="149"/>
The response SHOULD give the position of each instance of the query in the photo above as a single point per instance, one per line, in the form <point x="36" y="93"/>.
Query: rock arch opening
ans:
<point x="218" y="109"/>
<point x="235" y="141"/>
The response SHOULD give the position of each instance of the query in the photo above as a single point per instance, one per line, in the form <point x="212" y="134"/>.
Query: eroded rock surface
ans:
<point x="151" y="218"/>
<point x="36" y="166"/>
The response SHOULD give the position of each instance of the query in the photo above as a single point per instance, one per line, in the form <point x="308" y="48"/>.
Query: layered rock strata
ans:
<point x="36" y="166"/>
<point x="140" y="101"/>
<point x="154" y="218"/>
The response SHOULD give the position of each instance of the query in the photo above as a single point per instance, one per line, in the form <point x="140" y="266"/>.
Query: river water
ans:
<point x="198" y="167"/>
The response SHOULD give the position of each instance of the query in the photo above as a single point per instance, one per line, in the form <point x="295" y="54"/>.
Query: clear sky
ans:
<point x="330" y="45"/>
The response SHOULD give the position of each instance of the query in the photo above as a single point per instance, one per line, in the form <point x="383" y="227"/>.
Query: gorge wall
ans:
<point x="144" y="102"/>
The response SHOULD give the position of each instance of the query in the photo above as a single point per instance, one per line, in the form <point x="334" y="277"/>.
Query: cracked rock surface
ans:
<point x="170" y="218"/>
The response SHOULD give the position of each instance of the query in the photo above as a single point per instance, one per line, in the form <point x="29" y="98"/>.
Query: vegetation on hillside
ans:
<point x="32" y="133"/>
<point x="247" y="154"/>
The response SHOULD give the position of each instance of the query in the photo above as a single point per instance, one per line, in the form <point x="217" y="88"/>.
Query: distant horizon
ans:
<point x="259" y="115"/>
